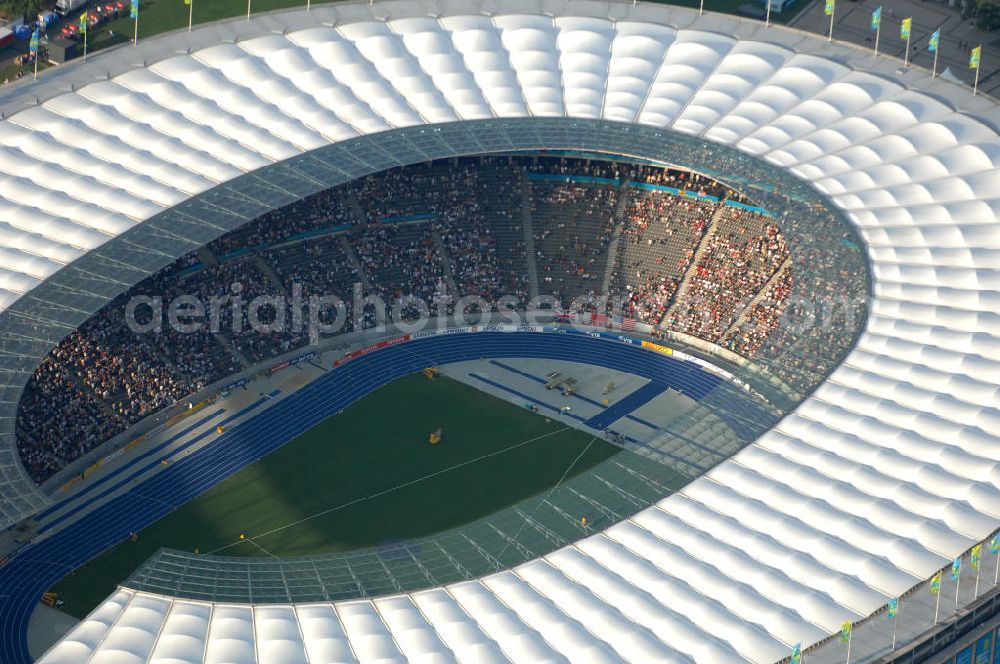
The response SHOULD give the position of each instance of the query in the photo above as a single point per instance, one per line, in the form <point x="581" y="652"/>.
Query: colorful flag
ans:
<point x="829" y="7"/>
<point x="936" y="583"/>
<point x="83" y="23"/>
<point x="623" y="323"/>
<point x="134" y="12"/>
<point x="932" y="45"/>
<point x="995" y="544"/>
<point x="187" y="2"/>
<point x="33" y="44"/>
<point x="974" y="56"/>
<point x="877" y="18"/>
<point x="845" y="631"/>
<point x="796" y="654"/>
<point x="893" y="608"/>
<point x="904" y="28"/>
<point x="975" y="555"/>
<point x="956" y="568"/>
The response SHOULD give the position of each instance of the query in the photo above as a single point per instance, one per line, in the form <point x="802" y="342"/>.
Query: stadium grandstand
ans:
<point x="431" y="236"/>
<point x="784" y="247"/>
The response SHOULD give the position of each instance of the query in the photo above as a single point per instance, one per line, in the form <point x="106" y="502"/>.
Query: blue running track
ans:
<point x="36" y="569"/>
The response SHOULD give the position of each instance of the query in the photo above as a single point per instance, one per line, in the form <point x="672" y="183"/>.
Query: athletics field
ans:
<point x="364" y="477"/>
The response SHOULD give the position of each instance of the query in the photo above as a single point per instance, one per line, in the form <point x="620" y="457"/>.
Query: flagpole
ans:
<point x="937" y="605"/>
<point x="833" y="9"/>
<point x="850" y="637"/>
<point x="86" y="33"/>
<point x="767" y="18"/>
<point x="975" y="84"/>
<point x="248" y="10"/>
<point x="934" y="69"/>
<point x="878" y="31"/>
<point x="190" y="14"/>
<point x="701" y="8"/>
<point x="906" y="56"/>
<point x="958" y="585"/>
<point x="996" y="575"/>
<point x="36" y="63"/>
<point x="895" y="619"/>
<point x="975" y="593"/>
<point x="135" y="35"/>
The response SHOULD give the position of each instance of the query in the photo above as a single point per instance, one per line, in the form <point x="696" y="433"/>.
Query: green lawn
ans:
<point x="10" y="71"/>
<point x="373" y="447"/>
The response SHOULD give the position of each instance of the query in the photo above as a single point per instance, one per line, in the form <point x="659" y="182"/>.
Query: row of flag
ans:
<point x="906" y="26"/>
<point x="892" y="608"/>
<point x="84" y="21"/>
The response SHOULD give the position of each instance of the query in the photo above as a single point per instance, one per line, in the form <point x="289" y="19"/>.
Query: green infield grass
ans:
<point x="363" y="477"/>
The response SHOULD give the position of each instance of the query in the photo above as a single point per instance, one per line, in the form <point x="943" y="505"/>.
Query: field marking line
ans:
<point x="543" y="500"/>
<point x="401" y="486"/>
<point x="261" y="548"/>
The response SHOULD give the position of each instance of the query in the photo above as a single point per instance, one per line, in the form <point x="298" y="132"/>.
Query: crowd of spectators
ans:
<point x="470" y="245"/>
<point x="573" y="224"/>
<point x="327" y="209"/>
<point x="832" y="301"/>
<point x="407" y="232"/>
<point x="402" y="261"/>
<point x="572" y="166"/>
<point x="684" y="181"/>
<point x="57" y="421"/>
<point x="503" y="189"/>
<point x="124" y="370"/>
<point x="658" y="241"/>
<point x="747" y="337"/>
<point x="320" y="268"/>
<point x="740" y="257"/>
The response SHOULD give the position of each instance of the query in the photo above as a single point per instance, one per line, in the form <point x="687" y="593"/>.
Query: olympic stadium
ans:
<point x="723" y="366"/>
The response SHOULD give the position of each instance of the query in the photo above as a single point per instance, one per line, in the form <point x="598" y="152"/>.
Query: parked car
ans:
<point x="64" y="7"/>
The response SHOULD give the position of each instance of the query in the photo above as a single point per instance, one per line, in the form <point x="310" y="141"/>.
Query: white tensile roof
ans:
<point x="876" y="481"/>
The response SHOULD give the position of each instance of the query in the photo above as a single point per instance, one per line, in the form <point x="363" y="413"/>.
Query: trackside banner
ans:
<point x="290" y="363"/>
<point x="371" y="349"/>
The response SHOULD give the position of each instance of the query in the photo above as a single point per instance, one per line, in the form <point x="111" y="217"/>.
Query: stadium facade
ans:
<point x="880" y="478"/>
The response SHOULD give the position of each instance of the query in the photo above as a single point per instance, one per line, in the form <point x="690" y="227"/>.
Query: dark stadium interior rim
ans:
<point x="817" y="234"/>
